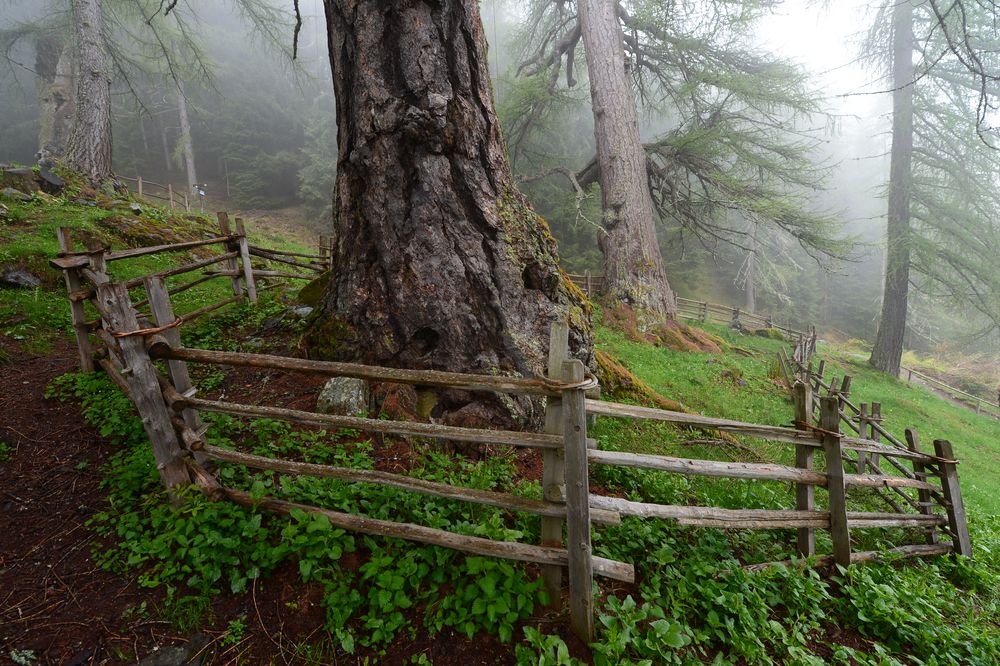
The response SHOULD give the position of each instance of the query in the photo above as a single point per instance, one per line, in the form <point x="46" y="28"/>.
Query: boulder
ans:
<point x="302" y="311"/>
<point x="344" y="396"/>
<point x="50" y="182"/>
<point x="20" y="179"/>
<point x="14" y="195"/>
<point x="18" y="277"/>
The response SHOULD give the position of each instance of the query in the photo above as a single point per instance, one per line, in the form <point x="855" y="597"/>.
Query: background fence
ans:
<point x="133" y="340"/>
<point x="979" y="404"/>
<point x="704" y="311"/>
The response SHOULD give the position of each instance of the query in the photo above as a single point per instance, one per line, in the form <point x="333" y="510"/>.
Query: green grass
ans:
<point x="698" y="381"/>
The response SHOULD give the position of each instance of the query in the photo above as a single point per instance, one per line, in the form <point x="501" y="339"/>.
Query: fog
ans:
<point x="263" y="132"/>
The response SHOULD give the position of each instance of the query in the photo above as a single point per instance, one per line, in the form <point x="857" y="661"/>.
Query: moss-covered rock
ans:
<point x="312" y="293"/>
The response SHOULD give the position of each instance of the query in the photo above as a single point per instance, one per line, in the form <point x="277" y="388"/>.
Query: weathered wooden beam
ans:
<point x="422" y="486"/>
<point x="805" y="494"/>
<point x="436" y="378"/>
<point x="415" y="429"/>
<point x="231" y="264"/>
<point x="923" y="496"/>
<point x="553" y="464"/>
<point x="578" y="545"/>
<point x="468" y="544"/>
<point x="953" y="495"/>
<point x="244" y="248"/>
<point x="836" y="489"/>
<point x="731" y="470"/>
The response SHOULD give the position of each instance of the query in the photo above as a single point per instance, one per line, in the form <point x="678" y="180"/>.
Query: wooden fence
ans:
<point x="152" y="190"/>
<point x="981" y="406"/>
<point x="703" y="311"/>
<point x="867" y="422"/>
<point x="83" y="270"/>
<point x="171" y="410"/>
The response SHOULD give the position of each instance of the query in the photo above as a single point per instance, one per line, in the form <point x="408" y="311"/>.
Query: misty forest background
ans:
<point x="263" y="133"/>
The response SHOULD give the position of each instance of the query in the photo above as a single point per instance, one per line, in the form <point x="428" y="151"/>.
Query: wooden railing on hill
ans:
<point x="693" y="310"/>
<point x="981" y="406"/>
<point x="170" y="410"/>
<point x="153" y="190"/>
<point x="866" y="421"/>
<point x="90" y="265"/>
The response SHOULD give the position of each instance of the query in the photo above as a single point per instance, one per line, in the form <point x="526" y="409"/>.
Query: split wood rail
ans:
<point x="693" y="310"/>
<point x="148" y="189"/>
<point x="171" y="415"/>
<point x="84" y="269"/>
<point x="866" y="421"/>
<point x="981" y="406"/>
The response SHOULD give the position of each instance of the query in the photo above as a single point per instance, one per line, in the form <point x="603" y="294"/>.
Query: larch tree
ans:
<point x="731" y="154"/>
<point x="88" y="150"/>
<point x="941" y="234"/>
<point x="633" y="266"/>
<point x="439" y="260"/>
<point x="888" y="348"/>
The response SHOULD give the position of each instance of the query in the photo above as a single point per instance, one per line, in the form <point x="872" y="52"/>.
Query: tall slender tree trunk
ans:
<point x="751" y="281"/>
<point x="633" y="267"/>
<point x="89" y="148"/>
<point x="186" y="142"/>
<point x="167" y="162"/>
<point x="439" y="261"/>
<point x="888" y="349"/>
<point x="56" y="95"/>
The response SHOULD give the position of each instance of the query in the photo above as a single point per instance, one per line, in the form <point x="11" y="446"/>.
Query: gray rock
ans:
<point x="191" y="653"/>
<point x="4" y="212"/>
<point x="15" y="195"/>
<point x="84" y="202"/>
<point x="302" y="311"/>
<point x="344" y="396"/>
<point x="136" y="208"/>
<point x="18" y="277"/>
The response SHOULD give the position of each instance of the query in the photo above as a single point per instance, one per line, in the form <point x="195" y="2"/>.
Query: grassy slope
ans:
<point x="28" y="240"/>
<point x="696" y="380"/>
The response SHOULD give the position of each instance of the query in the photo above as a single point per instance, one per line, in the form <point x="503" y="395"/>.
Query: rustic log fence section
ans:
<point x="981" y="405"/>
<point x="866" y="420"/>
<point x="165" y="193"/>
<point x="171" y="415"/>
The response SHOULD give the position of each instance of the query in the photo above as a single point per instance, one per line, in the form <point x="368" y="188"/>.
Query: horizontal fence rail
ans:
<point x="982" y="406"/>
<point x="171" y="415"/>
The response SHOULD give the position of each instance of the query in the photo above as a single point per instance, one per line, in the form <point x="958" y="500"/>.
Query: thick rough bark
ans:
<point x="439" y="261"/>
<point x="186" y="142"/>
<point x="89" y="149"/>
<point x="56" y="95"/>
<point x="888" y="349"/>
<point x="633" y="266"/>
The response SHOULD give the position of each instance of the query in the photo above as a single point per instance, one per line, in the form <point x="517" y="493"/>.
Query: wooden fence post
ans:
<point x="805" y="493"/>
<point x="590" y="286"/>
<point x="77" y="313"/>
<point x="170" y="195"/>
<point x="553" y="468"/>
<point x="581" y="566"/>
<point x="232" y="266"/>
<point x="187" y="205"/>
<point x="138" y="180"/>
<point x="920" y="472"/>
<point x="953" y="496"/>
<point x="140" y="374"/>
<point x="163" y="315"/>
<point x="837" y="491"/>
<point x="863" y="434"/>
<point x="245" y="260"/>
<point x="704" y="310"/>
<point x="876" y="436"/>
<point x="323" y="258"/>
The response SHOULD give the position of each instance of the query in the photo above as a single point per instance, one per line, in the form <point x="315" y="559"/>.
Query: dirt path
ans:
<point x="941" y="393"/>
<point x="54" y="600"/>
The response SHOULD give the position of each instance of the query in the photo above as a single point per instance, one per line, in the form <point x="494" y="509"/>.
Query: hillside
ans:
<point x="92" y="547"/>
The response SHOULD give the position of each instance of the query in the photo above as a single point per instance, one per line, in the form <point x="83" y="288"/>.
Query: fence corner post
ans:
<point x="578" y="545"/>
<point x="553" y="462"/>
<point x="953" y="496"/>
<point x="141" y="377"/>
<point x="245" y="260"/>
<point x="805" y="493"/>
<point x="839" y="532"/>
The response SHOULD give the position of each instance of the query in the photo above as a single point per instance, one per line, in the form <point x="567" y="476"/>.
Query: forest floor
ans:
<point x="96" y="567"/>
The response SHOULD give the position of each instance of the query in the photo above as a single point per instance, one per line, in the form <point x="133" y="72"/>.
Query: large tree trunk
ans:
<point x="439" y="261"/>
<point x="186" y="142"/>
<point x="89" y="149"/>
<point x="56" y="95"/>
<point x="888" y="349"/>
<point x="633" y="266"/>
